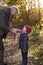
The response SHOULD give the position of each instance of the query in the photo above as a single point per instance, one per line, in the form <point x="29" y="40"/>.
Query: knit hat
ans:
<point x="27" y="28"/>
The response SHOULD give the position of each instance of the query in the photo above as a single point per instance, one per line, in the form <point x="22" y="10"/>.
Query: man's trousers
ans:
<point x="1" y="53"/>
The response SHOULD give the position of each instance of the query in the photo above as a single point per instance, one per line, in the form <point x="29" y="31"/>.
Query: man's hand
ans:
<point x="15" y="30"/>
<point x="12" y="31"/>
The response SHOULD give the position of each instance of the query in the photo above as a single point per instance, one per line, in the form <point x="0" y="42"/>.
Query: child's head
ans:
<point x="27" y="28"/>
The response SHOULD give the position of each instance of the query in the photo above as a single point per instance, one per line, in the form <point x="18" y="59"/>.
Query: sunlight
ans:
<point x="28" y="6"/>
<point x="41" y="3"/>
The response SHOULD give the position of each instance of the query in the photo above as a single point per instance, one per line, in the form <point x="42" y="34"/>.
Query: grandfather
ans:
<point x="5" y="15"/>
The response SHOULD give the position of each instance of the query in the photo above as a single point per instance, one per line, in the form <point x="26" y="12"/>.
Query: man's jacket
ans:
<point x="23" y="42"/>
<point x="4" y="22"/>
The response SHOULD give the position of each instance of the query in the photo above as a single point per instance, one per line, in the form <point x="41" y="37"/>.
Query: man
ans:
<point x="5" y="15"/>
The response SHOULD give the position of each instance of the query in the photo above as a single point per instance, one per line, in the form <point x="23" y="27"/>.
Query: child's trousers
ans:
<point x="24" y="58"/>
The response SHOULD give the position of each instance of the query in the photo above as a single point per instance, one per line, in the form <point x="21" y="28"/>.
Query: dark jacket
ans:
<point x="4" y="22"/>
<point x="23" y="41"/>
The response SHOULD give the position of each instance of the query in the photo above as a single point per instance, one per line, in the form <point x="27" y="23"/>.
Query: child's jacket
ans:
<point x="23" y="41"/>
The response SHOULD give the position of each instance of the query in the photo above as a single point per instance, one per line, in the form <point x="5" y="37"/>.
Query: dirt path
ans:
<point x="12" y="55"/>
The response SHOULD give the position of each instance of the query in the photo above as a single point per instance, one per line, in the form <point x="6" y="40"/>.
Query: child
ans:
<point x="23" y="44"/>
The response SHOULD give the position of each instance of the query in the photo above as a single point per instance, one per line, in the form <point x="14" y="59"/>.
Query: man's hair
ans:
<point x="14" y="8"/>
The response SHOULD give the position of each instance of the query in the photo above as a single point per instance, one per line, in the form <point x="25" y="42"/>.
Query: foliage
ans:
<point x="34" y="36"/>
<point x="10" y="2"/>
<point x="36" y="45"/>
<point x="24" y="17"/>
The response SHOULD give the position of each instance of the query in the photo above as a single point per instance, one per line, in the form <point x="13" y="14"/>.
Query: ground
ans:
<point x="12" y="54"/>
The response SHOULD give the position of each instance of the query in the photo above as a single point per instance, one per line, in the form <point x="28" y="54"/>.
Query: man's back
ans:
<point x="4" y="20"/>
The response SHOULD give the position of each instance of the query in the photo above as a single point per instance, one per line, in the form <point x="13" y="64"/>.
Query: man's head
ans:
<point x="14" y="11"/>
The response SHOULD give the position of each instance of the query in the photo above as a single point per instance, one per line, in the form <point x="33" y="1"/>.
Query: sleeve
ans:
<point x="3" y="22"/>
